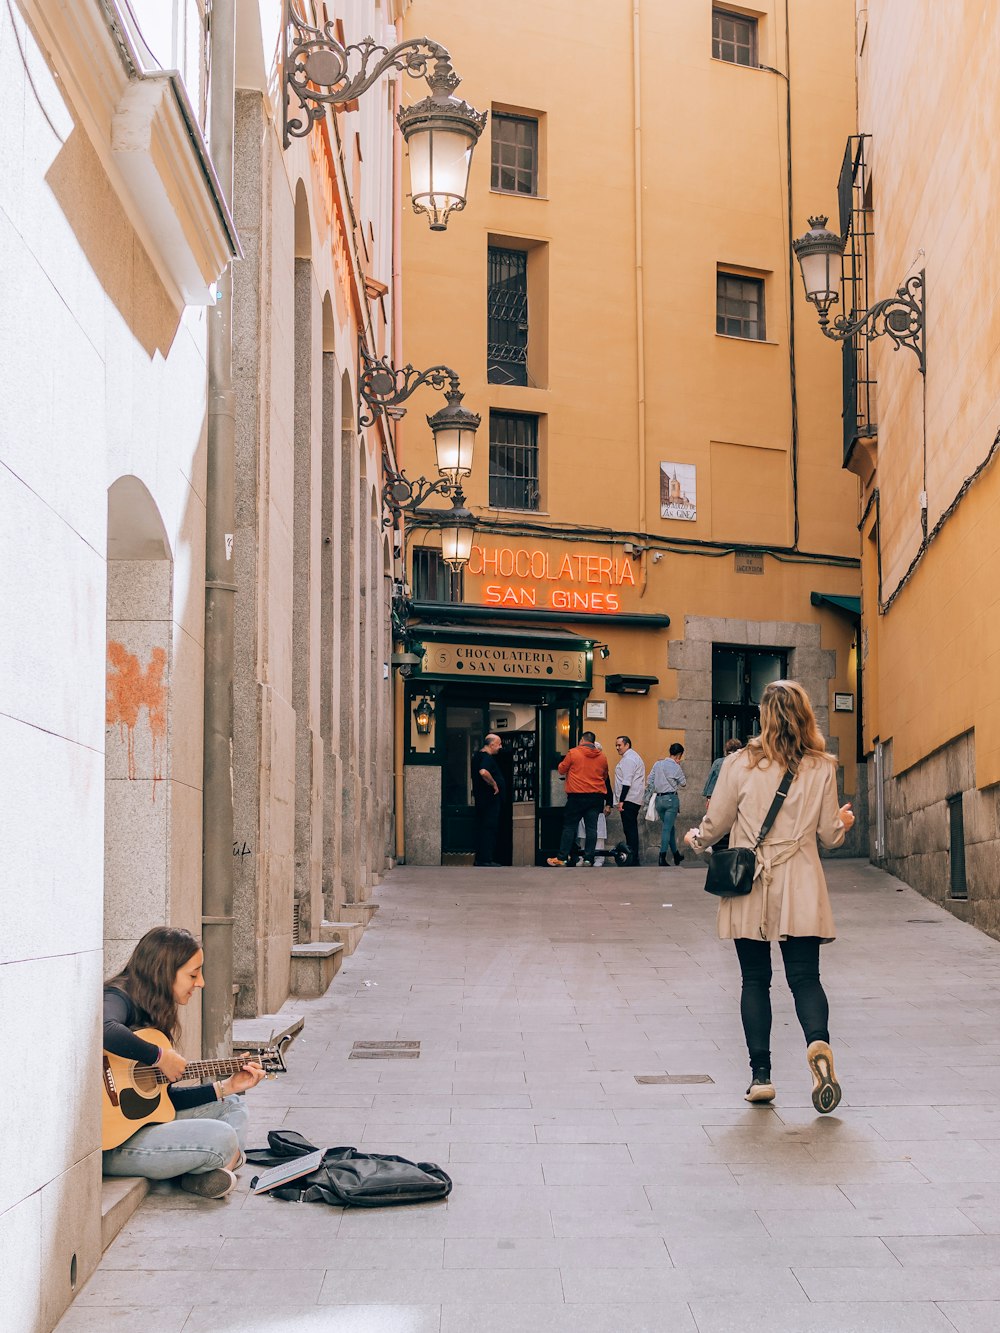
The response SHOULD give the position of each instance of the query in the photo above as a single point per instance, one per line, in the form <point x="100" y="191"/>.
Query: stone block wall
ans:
<point x="918" y="830"/>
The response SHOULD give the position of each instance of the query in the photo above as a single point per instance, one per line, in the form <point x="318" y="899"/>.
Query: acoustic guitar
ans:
<point x="136" y="1094"/>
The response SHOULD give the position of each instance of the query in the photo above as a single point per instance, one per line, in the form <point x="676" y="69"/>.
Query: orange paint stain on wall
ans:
<point x="129" y="689"/>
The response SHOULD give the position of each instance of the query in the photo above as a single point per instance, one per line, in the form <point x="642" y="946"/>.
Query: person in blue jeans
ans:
<point x="666" y="777"/>
<point x="201" y="1148"/>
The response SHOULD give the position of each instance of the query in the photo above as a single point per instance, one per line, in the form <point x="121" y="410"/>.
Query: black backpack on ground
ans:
<point x="349" y="1179"/>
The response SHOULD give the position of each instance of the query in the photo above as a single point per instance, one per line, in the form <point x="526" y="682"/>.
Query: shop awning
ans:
<point x="850" y="606"/>
<point x="491" y="615"/>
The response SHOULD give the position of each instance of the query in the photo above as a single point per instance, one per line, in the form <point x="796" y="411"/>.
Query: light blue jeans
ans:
<point x="199" y="1139"/>
<point x="668" y="807"/>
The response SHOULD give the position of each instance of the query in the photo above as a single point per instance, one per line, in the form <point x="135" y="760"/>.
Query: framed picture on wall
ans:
<point x="843" y="703"/>
<point x="596" y="710"/>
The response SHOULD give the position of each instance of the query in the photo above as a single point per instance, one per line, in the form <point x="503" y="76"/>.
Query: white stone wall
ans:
<point x="103" y="378"/>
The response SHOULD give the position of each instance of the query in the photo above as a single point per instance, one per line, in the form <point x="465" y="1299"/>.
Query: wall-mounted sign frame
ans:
<point x="596" y="710"/>
<point x="843" y="703"/>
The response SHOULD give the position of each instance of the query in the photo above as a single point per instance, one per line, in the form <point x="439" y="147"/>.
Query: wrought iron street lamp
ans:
<point x="382" y="388"/>
<point x="423" y="715"/>
<point x="820" y="253"/>
<point x="440" y="131"/>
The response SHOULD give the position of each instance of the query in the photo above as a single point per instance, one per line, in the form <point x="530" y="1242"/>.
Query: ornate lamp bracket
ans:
<point x="316" y="69"/>
<point x="900" y="316"/>
<point x="382" y="388"/>
<point x="402" y="495"/>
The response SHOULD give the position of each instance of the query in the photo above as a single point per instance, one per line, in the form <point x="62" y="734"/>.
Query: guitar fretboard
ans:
<point x="202" y="1069"/>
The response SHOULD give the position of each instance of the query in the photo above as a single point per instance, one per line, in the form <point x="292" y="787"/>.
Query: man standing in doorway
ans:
<point x="488" y="793"/>
<point x="630" y="783"/>
<point x="588" y="792"/>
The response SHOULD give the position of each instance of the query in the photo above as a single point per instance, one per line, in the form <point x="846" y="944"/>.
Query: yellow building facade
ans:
<point x="663" y="521"/>
<point x="925" y="447"/>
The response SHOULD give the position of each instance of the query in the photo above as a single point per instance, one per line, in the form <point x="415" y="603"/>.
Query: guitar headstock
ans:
<point x="270" y="1060"/>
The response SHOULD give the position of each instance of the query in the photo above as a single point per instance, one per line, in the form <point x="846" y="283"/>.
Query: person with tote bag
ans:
<point x="660" y="799"/>
<point x="789" y="902"/>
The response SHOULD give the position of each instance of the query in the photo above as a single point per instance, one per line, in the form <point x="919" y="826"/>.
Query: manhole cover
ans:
<point x="385" y="1050"/>
<point x="674" y="1078"/>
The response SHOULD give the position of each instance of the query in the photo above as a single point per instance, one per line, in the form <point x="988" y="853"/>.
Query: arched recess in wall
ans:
<point x="137" y="804"/>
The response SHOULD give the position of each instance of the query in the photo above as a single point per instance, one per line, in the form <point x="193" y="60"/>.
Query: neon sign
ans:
<point x="522" y="576"/>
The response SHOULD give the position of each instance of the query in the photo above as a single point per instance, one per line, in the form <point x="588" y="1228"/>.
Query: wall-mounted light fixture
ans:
<point x="820" y="253"/>
<point x="440" y="132"/>
<point x="423" y="715"/>
<point x="623" y="684"/>
<point x="384" y="389"/>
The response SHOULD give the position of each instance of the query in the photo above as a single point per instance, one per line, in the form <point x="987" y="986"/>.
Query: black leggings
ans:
<point x="801" y="958"/>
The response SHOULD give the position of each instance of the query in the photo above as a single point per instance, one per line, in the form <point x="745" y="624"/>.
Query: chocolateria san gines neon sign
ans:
<point x="571" y="582"/>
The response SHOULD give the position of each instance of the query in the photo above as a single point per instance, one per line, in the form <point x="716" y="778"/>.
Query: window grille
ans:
<point x="956" y="843"/>
<point x="854" y="197"/>
<point x="515" y="154"/>
<point x="433" y="580"/>
<point x="507" y="313"/>
<point x="513" y="460"/>
<point x="734" y="37"/>
<point x="739" y="306"/>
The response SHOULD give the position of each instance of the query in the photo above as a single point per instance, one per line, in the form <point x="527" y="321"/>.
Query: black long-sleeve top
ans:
<point x="121" y="1015"/>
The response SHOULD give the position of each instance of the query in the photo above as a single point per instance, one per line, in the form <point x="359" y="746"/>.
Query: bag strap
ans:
<point x="776" y="804"/>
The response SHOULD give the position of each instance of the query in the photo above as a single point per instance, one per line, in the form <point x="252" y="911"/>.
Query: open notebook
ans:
<point x="295" y="1167"/>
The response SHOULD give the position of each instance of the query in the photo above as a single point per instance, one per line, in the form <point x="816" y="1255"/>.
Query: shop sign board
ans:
<point x="489" y="661"/>
<point x="567" y="581"/>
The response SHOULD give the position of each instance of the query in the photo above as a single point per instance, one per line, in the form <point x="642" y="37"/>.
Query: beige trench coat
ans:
<point x="789" y="895"/>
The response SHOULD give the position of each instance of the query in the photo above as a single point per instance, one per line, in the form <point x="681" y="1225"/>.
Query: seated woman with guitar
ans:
<point x="194" y="1134"/>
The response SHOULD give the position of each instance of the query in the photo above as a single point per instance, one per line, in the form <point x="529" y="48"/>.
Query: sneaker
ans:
<point x="214" y="1184"/>
<point x="761" y="1089"/>
<point x="678" y="858"/>
<point x="826" y="1089"/>
<point x="555" y="861"/>
<point x="587" y="865"/>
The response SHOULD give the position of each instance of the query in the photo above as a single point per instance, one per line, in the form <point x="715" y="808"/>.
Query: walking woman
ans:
<point x="789" y="900"/>
<point x="666" y="778"/>
<point x="202" y="1146"/>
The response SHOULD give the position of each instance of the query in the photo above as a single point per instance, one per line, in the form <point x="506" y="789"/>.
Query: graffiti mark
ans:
<point x="130" y="688"/>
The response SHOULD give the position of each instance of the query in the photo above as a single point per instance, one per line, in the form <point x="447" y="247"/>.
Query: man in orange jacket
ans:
<point x="588" y="792"/>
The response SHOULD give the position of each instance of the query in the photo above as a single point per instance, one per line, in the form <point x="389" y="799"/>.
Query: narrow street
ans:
<point x="584" y="1201"/>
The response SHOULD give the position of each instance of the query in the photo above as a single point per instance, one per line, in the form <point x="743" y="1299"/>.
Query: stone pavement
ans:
<point x="585" y="1202"/>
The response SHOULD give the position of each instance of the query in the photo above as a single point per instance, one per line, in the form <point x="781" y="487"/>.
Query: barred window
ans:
<point x="515" y="154"/>
<point x="507" y="317"/>
<point x="734" y="37"/>
<point x="433" y="580"/>
<point x="513" y="460"/>
<point x="739" y="306"/>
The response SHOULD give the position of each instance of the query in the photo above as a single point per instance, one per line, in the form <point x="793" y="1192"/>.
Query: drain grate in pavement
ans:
<point x="923" y="921"/>
<point x="385" y="1050"/>
<point x="674" y="1078"/>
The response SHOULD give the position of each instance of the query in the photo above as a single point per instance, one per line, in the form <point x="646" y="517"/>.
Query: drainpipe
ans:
<point x="220" y="589"/>
<point x="640" y="318"/>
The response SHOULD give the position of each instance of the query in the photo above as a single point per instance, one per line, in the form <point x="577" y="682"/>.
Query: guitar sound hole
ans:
<point x="145" y="1080"/>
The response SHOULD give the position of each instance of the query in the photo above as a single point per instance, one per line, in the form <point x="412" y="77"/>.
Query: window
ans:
<point x="734" y="37"/>
<point x="507" y="315"/>
<point x="433" y="580"/>
<point x="956" y="847"/>
<point x="513" y="460"/>
<point x="515" y="154"/>
<point x="739" y="306"/>
<point x="739" y="676"/>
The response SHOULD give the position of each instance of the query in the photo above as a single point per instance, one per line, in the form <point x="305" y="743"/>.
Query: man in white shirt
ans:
<point x="630" y="783"/>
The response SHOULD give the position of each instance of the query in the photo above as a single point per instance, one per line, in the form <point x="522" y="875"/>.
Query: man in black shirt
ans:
<point x="488" y="794"/>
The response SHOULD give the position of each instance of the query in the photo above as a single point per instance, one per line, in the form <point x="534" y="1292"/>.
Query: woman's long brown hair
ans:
<point x="148" y="976"/>
<point x="788" y="730"/>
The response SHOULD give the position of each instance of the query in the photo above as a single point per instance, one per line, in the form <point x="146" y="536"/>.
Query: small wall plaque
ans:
<point x="749" y="562"/>
<point x="843" y="703"/>
<point x="596" y="710"/>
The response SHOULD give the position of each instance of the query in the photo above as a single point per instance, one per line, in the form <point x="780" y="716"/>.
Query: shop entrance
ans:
<point x="536" y="729"/>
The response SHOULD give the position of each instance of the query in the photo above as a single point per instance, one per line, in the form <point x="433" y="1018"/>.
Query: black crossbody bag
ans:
<point x="731" y="871"/>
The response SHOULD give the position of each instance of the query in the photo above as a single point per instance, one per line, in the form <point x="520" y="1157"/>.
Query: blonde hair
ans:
<point x="788" y="730"/>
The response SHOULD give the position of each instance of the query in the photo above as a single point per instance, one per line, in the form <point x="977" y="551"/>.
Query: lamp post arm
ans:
<point x="314" y="59"/>
<point x="900" y="316"/>
<point x="401" y="494"/>
<point x="381" y="385"/>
